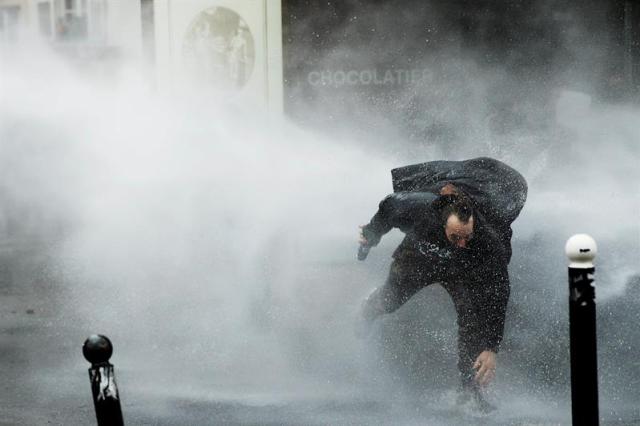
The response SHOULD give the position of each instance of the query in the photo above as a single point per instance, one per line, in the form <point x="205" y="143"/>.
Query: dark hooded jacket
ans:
<point x="497" y="192"/>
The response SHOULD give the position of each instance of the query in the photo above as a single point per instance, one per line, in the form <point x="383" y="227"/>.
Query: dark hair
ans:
<point x="457" y="204"/>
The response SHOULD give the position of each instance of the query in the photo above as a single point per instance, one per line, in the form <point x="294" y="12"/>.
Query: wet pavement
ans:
<point x="45" y="378"/>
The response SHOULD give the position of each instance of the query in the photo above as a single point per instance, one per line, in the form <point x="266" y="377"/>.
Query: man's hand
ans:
<point x="486" y="366"/>
<point x="362" y="240"/>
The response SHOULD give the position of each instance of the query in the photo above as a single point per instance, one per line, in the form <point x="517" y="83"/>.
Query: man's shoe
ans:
<point x="370" y="311"/>
<point x="483" y="406"/>
<point x="471" y="396"/>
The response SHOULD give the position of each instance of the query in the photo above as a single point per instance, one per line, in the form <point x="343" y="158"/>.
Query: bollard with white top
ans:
<point x="581" y="250"/>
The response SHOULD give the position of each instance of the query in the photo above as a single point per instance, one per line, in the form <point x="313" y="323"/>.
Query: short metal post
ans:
<point x="581" y="250"/>
<point x="97" y="349"/>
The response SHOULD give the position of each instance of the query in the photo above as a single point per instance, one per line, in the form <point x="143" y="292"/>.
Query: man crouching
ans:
<point x="457" y="236"/>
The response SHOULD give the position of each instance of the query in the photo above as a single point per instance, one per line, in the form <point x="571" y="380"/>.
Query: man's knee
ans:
<point x="399" y="287"/>
<point x="375" y="305"/>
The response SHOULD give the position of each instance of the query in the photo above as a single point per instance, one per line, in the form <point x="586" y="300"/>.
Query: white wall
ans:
<point x="124" y="28"/>
<point x="239" y="57"/>
<point x="191" y="53"/>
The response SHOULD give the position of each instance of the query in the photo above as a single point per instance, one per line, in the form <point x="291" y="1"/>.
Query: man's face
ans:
<point x="459" y="233"/>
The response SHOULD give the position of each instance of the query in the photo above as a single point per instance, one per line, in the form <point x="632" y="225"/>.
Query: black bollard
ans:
<point x="581" y="250"/>
<point x="97" y="349"/>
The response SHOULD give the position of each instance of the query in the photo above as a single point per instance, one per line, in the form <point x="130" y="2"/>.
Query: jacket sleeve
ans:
<point x="493" y="306"/>
<point x="399" y="210"/>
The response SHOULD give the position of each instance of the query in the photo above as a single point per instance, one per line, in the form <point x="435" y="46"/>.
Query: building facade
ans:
<point x="412" y="64"/>
<point x="206" y="46"/>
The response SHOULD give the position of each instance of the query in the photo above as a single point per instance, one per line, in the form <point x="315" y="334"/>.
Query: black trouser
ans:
<point x="407" y="278"/>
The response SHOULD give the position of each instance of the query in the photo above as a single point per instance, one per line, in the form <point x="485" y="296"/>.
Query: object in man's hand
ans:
<point x="363" y="252"/>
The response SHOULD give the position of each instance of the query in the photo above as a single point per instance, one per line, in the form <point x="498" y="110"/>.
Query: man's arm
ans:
<point x="493" y="306"/>
<point x="398" y="210"/>
<point x="493" y="298"/>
